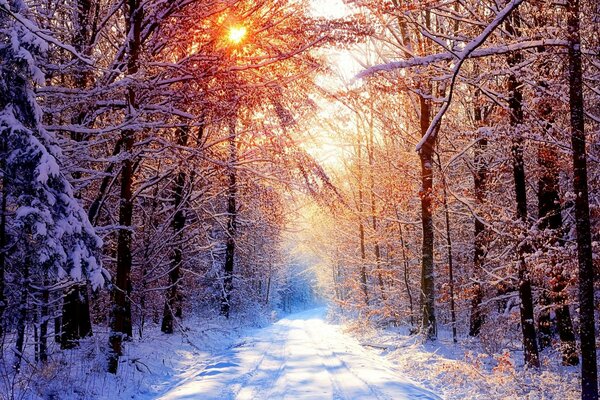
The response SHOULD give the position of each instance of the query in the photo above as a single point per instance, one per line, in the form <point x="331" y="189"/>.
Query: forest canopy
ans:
<point x="431" y="166"/>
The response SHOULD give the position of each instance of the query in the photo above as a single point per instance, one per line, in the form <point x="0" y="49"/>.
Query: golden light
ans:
<point x="237" y="34"/>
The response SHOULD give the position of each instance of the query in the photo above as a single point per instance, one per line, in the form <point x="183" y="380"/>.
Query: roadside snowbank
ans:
<point x="464" y="371"/>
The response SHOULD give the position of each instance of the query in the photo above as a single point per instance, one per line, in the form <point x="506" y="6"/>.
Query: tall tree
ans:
<point x="75" y="319"/>
<point x="231" y="230"/>
<point x="121" y="308"/>
<point x="58" y="242"/>
<point x="172" y="307"/>
<point x="587" y="329"/>
<point x="550" y="220"/>
<point x="426" y="153"/>
<point x="515" y="105"/>
<point x="479" y="187"/>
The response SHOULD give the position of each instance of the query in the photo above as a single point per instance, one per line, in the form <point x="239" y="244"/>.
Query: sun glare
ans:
<point x="237" y="34"/>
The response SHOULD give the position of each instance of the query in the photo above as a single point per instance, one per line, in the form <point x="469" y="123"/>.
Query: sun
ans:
<point x="237" y="34"/>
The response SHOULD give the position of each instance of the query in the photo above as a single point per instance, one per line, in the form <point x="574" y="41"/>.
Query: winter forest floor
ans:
<point x="301" y="356"/>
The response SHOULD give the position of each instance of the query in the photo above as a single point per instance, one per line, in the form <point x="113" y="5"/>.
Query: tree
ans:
<point x="57" y="241"/>
<point x="587" y="330"/>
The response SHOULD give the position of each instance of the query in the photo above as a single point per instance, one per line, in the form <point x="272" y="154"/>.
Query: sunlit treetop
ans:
<point x="237" y="34"/>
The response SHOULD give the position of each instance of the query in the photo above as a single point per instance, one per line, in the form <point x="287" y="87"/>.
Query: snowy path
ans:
<point x="299" y="357"/>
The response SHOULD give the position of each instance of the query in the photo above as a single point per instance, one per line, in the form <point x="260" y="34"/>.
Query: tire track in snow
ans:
<point x="299" y="357"/>
<point x="252" y="388"/>
<point x="325" y="346"/>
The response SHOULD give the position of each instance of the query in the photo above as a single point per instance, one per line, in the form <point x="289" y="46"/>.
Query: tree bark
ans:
<point x="361" y="227"/>
<point x="172" y="304"/>
<point x="76" y="322"/>
<point x="405" y="264"/>
<point x="22" y="316"/>
<point x="428" y="322"/>
<point x="449" y="252"/>
<point x="376" y="247"/>
<point x="43" y="340"/>
<point x="549" y="210"/>
<point x="587" y="329"/>
<point x="121" y="310"/>
<point x="3" y="244"/>
<point x="479" y="182"/>
<point x="515" y="104"/>
<point x="231" y="222"/>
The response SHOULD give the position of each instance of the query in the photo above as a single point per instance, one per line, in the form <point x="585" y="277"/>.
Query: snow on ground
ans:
<point x="299" y="357"/>
<point x="150" y="365"/>
<point x="465" y="371"/>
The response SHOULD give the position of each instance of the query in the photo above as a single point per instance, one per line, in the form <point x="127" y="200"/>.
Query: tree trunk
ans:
<point x="525" y="294"/>
<point x="268" y="293"/>
<point x="515" y="104"/>
<point x="376" y="247"/>
<point x="76" y="322"/>
<point x="22" y="317"/>
<point x="43" y="340"/>
<point x="479" y="182"/>
<point x="449" y="252"/>
<point x="231" y="222"/>
<point x="550" y="217"/>
<point x="405" y="264"/>
<point x="361" y="227"/>
<point x="121" y="310"/>
<point x="172" y="305"/>
<point x="428" y="322"/>
<point x="3" y="244"/>
<point x="76" y="308"/>
<point x="587" y="329"/>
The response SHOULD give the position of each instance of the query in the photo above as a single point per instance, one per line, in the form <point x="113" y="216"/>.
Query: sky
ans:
<point x="325" y="146"/>
<point x="329" y="8"/>
<point x="342" y="61"/>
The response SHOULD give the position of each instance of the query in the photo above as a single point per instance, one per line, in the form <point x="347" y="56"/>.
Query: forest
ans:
<point x="180" y="181"/>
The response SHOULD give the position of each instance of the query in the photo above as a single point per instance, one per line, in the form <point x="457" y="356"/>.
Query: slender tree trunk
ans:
<point x="44" y="317"/>
<point x="550" y="217"/>
<point x="406" y="280"/>
<point x="231" y="222"/>
<point x="268" y="290"/>
<point x="361" y="227"/>
<point x="36" y="337"/>
<point x="3" y="244"/>
<point x="177" y="224"/>
<point x="449" y="252"/>
<point x="587" y="328"/>
<point x="376" y="247"/>
<point x="479" y="182"/>
<point x="525" y="294"/>
<point x="149" y="224"/>
<point x="377" y="251"/>
<point x="515" y="104"/>
<point x="428" y="322"/>
<point x="22" y="316"/>
<point x="121" y="310"/>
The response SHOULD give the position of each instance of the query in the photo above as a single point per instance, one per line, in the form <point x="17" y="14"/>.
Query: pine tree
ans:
<point x="56" y="240"/>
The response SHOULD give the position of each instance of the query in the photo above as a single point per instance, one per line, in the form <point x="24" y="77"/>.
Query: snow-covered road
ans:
<point x="299" y="357"/>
